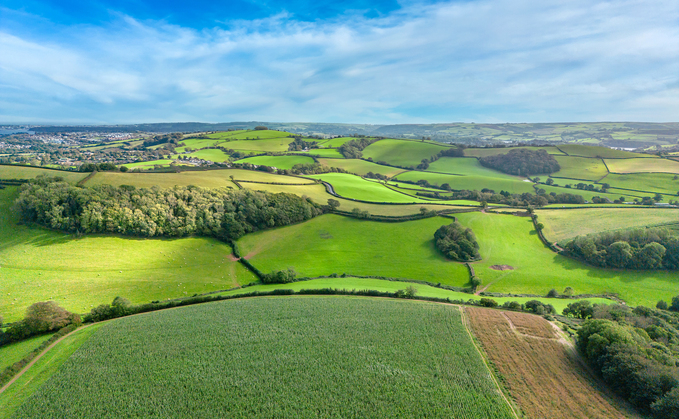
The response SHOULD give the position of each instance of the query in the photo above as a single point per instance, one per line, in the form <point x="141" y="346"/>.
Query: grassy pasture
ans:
<point x="360" y="167"/>
<point x="336" y="142"/>
<point x="333" y="244"/>
<point x="643" y="166"/>
<point x="328" y="153"/>
<point x="28" y="172"/>
<point x="249" y="134"/>
<point x="484" y="152"/>
<point x="41" y="371"/>
<point x="198" y="143"/>
<point x="145" y="165"/>
<point x="37" y="264"/>
<point x="594" y="151"/>
<point x="580" y="168"/>
<point x="204" y="178"/>
<point x="467" y="167"/>
<point x="471" y="182"/>
<point x="649" y="182"/>
<point x="280" y="162"/>
<point x="14" y="352"/>
<point x="355" y="187"/>
<point x="511" y="240"/>
<point x="258" y="146"/>
<point x="277" y="357"/>
<point x="564" y="225"/>
<point x="211" y="154"/>
<point x="588" y="195"/>
<point x="401" y="152"/>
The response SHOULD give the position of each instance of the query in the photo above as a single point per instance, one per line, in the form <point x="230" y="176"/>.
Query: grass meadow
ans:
<point x="650" y="182"/>
<point x="14" y="352"/>
<point x="588" y="195"/>
<point x="325" y="153"/>
<point x="249" y="135"/>
<point x="336" y="142"/>
<point x="277" y="357"/>
<point x="280" y="162"/>
<point x="580" y="168"/>
<point x="334" y="244"/>
<point x="511" y="240"/>
<point x="361" y="167"/>
<point x="564" y="225"/>
<point x="28" y="172"/>
<point x="355" y="187"/>
<point x="601" y="152"/>
<point x="37" y="264"/>
<point x="401" y="152"/>
<point x="643" y="166"/>
<point x="499" y="182"/>
<point x="211" y="154"/>
<point x="484" y="152"/>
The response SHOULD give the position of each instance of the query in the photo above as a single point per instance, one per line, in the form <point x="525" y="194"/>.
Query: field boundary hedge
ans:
<point x="278" y="183"/>
<point x="81" y="182"/>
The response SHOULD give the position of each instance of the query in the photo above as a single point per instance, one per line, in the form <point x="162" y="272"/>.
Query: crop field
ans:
<point x="601" y="152"/>
<point x="77" y="273"/>
<point x="491" y="151"/>
<point x="643" y="166"/>
<point x="280" y="162"/>
<point x="334" y="244"/>
<point x="348" y="357"/>
<point x="211" y="154"/>
<point x="649" y="182"/>
<point x="355" y="187"/>
<point x="27" y="172"/>
<point x="542" y="375"/>
<point x="497" y="183"/>
<point x="511" y="240"/>
<point x="361" y="167"/>
<point x="204" y="178"/>
<point x="14" y="352"/>
<point x="351" y="283"/>
<point x="24" y="387"/>
<point x="580" y="168"/>
<point x="564" y="225"/>
<point x="401" y="152"/>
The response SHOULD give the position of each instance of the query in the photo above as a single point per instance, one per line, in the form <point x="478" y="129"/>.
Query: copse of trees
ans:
<point x="40" y="318"/>
<point x="637" y="353"/>
<point x="99" y="167"/>
<point x="299" y="144"/>
<point x="457" y="242"/>
<point x="655" y="248"/>
<point x="522" y="162"/>
<point x="353" y="149"/>
<point x="178" y="211"/>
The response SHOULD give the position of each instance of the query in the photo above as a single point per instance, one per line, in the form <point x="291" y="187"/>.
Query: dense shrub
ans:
<point x="299" y="144"/>
<point x="280" y="277"/>
<point x="178" y="211"/>
<point x="654" y="248"/>
<point x="41" y="317"/>
<point x="522" y="162"/>
<point x="457" y="242"/>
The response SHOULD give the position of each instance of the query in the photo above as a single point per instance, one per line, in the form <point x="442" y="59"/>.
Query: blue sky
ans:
<point x="125" y="61"/>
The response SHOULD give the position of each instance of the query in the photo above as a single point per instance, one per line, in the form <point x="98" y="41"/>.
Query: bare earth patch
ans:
<point x="502" y="268"/>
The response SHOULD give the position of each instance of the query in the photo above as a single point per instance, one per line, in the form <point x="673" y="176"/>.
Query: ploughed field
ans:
<point x="277" y="357"/>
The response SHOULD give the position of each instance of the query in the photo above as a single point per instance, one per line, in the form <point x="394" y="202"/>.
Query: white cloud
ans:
<point x="488" y="60"/>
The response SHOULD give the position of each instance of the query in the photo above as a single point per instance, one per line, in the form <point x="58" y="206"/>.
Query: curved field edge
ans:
<point x="370" y="357"/>
<point x="35" y="376"/>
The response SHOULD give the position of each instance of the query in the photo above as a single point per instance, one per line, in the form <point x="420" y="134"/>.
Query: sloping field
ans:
<point x="145" y="165"/>
<point x="483" y="152"/>
<point x="539" y="369"/>
<point x="471" y="182"/>
<point x="277" y="357"/>
<point x="642" y="165"/>
<point x="330" y="153"/>
<point x="360" y="167"/>
<point x="466" y="166"/>
<point x="258" y="146"/>
<point x="27" y="172"/>
<point x="580" y="168"/>
<point x="511" y="240"/>
<point x="601" y="152"/>
<point x="566" y="224"/>
<point x="649" y="182"/>
<point x="336" y="142"/>
<point x="333" y="244"/>
<point x="211" y="154"/>
<point x="280" y="162"/>
<point x="401" y="152"/>
<point x="37" y="264"/>
<point x="204" y="178"/>
<point x="588" y="195"/>
<point x="355" y="187"/>
<point x="14" y="352"/>
<point x="249" y="135"/>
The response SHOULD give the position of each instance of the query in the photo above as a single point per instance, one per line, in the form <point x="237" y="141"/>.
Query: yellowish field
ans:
<point x="642" y="165"/>
<point x="28" y="172"/>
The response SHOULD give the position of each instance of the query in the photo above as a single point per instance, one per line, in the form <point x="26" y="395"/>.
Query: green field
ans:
<point x="205" y="178"/>
<point x="588" y="195"/>
<point x="492" y="151"/>
<point x="650" y="182"/>
<point x="249" y="134"/>
<point x="280" y="162"/>
<point x="601" y="152"/>
<point x="24" y="387"/>
<point x="500" y="182"/>
<point x="563" y="225"/>
<point x="401" y="152"/>
<point x="355" y="187"/>
<point x="511" y="240"/>
<point x="361" y="167"/>
<point x="322" y="357"/>
<point x="643" y="166"/>
<point x="211" y="154"/>
<point x="333" y="244"/>
<point x="336" y="142"/>
<point x="15" y="352"/>
<point x="580" y="168"/>
<point x="28" y="172"/>
<point x="78" y="273"/>
<point x="145" y="165"/>
<point x="329" y="153"/>
<point x="259" y="146"/>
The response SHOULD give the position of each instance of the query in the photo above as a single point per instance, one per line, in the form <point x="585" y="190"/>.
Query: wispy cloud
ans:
<point x="483" y="61"/>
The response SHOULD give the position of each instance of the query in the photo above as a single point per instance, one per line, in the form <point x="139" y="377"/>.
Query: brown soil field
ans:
<point x="539" y="368"/>
<point x="502" y="268"/>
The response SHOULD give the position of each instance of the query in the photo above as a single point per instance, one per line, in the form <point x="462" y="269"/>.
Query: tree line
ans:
<point x="179" y="211"/>
<point x="653" y="248"/>
<point x="354" y="149"/>
<point x="522" y="162"/>
<point x="457" y="242"/>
